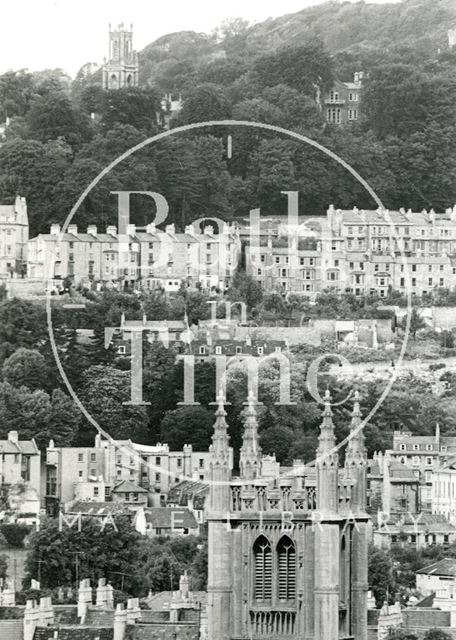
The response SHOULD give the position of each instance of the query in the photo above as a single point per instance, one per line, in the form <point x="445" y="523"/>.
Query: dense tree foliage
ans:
<point x="60" y="137"/>
<point x="115" y="551"/>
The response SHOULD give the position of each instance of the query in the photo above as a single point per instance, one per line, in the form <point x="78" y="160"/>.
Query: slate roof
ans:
<point x="96" y="508"/>
<point x="445" y="567"/>
<point x="162" y="518"/>
<point x="27" y="447"/>
<point x="162" y="600"/>
<point x="426" y="602"/>
<point x="399" y="471"/>
<point x="73" y="633"/>
<point x="182" y="491"/>
<point x="126" y="486"/>
<point x="424" y="523"/>
<point x="12" y="630"/>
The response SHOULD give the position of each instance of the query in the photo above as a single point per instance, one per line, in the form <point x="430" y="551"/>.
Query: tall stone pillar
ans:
<point x="219" y="587"/>
<point x="359" y="582"/>
<point x="327" y="581"/>
<point x="327" y="532"/>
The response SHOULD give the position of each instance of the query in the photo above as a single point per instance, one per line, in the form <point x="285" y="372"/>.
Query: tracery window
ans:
<point x="263" y="568"/>
<point x="287" y="568"/>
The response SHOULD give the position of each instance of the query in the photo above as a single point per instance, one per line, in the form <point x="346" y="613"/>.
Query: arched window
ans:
<point x="263" y="569"/>
<point x="287" y="569"/>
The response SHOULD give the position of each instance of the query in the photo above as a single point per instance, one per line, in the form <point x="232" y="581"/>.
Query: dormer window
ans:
<point x="202" y="351"/>
<point x="238" y="349"/>
<point x="218" y="351"/>
<point x="260" y="351"/>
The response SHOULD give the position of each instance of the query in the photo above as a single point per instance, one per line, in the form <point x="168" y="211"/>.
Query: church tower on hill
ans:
<point x="121" y="69"/>
<point x="287" y="554"/>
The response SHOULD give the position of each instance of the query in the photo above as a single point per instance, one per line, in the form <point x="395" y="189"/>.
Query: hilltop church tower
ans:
<point x="121" y="68"/>
<point x="287" y="552"/>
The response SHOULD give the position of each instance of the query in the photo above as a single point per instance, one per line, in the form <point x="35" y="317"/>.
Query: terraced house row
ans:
<point x="357" y="251"/>
<point x="146" y="256"/>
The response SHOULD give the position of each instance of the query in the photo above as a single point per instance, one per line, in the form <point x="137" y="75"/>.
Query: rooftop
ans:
<point x="445" y="567"/>
<point x="168" y="518"/>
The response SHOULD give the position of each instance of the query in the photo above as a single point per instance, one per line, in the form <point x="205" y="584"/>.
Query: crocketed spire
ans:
<point x="356" y="450"/>
<point x="327" y="463"/>
<point x="220" y="437"/>
<point x="326" y="439"/>
<point x="250" y="453"/>
<point x="219" y="462"/>
<point x="356" y="460"/>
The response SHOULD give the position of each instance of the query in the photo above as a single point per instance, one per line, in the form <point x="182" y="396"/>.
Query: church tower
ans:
<point x="121" y="68"/>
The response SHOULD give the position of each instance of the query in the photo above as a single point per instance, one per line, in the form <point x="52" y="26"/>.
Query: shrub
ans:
<point x="15" y="533"/>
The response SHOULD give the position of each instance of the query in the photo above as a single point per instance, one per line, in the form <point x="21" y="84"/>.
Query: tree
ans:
<point x="417" y="322"/>
<point x="105" y="395"/>
<point x="26" y="412"/>
<point x="53" y="116"/>
<point x="278" y="440"/>
<point x="399" y="634"/>
<point x="15" y="534"/>
<point x="103" y="551"/>
<point x="447" y="339"/>
<point x="205" y="102"/>
<point x="34" y="169"/>
<point x="192" y="174"/>
<point x="300" y="67"/>
<point x="380" y="574"/>
<point x="16" y="91"/>
<point x="26" y="367"/>
<point x="64" y="419"/>
<point x="133" y="106"/>
<point x="245" y="289"/>
<point x="187" y="425"/>
<point x="436" y="634"/>
<point x="163" y="560"/>
<point x="3" y="566"/>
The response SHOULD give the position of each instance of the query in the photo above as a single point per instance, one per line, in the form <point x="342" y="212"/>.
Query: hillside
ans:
<point x="344" y="28"/>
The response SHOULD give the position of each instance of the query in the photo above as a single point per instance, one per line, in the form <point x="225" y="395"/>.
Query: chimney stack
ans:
<point x="84" y="599"/>
<point x="13" y="437"/>
<point x="120" y="623"/>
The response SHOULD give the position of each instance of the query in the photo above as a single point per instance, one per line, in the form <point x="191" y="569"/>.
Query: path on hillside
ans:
<point x="416" y="366"/>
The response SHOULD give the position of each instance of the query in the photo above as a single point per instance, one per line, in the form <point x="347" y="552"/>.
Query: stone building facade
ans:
<point x="93" y="473"/>
<point x="287" y="555"/>
<point x="147" y="257"/>
<point x="14" y="232"/>
<point x="343" y="102"/>
<point x="356" y="251"/>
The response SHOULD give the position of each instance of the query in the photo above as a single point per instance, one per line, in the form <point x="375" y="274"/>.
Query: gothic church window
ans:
<point x="263" y="569"/>
<point x="287" y="569"/>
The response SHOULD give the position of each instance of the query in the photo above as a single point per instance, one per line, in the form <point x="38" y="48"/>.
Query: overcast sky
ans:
<point x="39" y="34"/>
